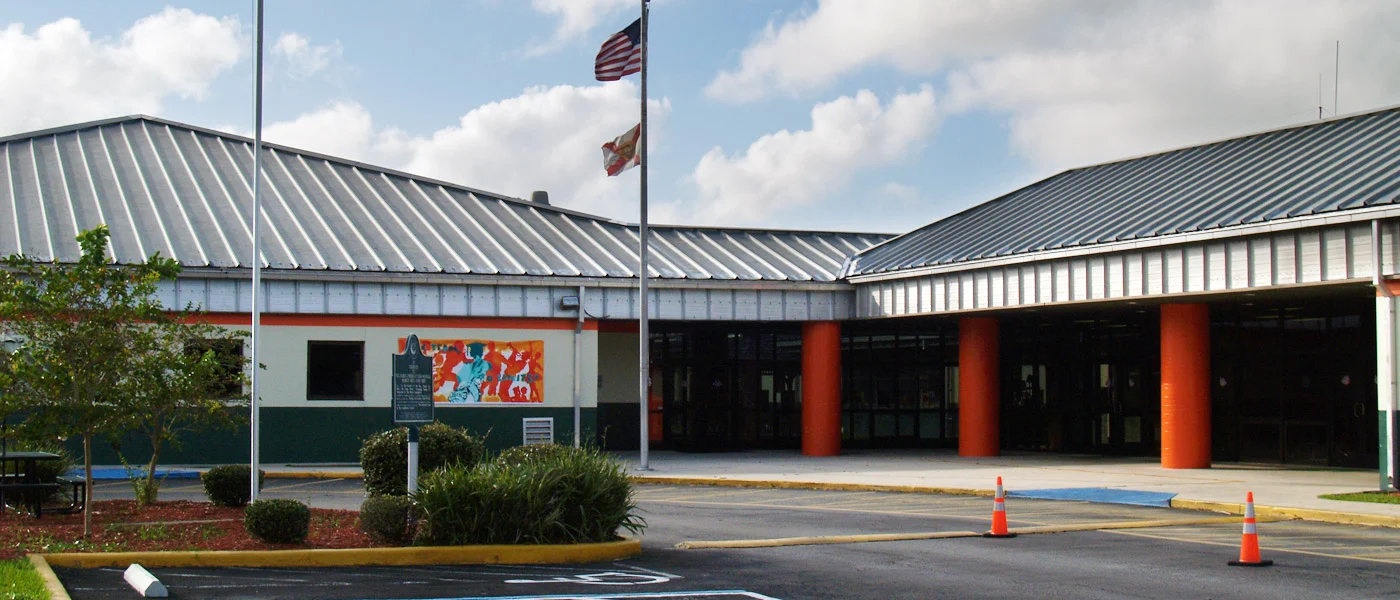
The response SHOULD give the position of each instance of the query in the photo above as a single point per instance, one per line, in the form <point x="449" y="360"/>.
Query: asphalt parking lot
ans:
<point x="1118" y="561"/>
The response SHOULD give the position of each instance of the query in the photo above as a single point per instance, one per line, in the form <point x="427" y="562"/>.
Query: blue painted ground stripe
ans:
<point x="101" y="473"/>
<point x="1105" y="495"/>
<point x="622" y="596"/>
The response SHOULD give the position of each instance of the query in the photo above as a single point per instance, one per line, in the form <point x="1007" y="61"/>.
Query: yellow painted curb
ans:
<point x="51" y="582"/>
<point x="1281" y="513"/>
<point x="313" y="475"/>
<point x="357" y="557"/>
<point x="807" y="485"/>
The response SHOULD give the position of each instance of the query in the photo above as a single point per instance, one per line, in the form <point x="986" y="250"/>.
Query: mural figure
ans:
<point x="485" y="371"/>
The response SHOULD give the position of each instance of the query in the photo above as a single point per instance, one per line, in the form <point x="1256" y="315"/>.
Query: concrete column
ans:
<point x="1185" y="386"/>
<point x="821" y="388"/>
<point x="979" y="387"/>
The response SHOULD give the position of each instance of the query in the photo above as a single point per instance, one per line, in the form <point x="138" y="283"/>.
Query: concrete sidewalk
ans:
<point x="1224" y="484"/>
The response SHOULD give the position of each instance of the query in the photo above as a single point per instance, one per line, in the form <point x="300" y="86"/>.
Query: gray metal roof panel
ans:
<point x="186" y="192"/>
<point x="1333" y="165"/>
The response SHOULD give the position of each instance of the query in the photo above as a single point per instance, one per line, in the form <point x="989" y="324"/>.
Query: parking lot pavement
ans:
<point x="345" y="494"/>
<point x="1313" y="560"/>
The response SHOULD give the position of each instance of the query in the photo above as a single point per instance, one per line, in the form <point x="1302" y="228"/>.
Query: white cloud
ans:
<point x="788" y="170"/>
<point x="302" y="59"/>
<point x="544" y="139"/>
<point x="59" y="74"/>
<point x="577" y="17"/>
<point x="905" y="194"/>
<point x="1087" y="81"/>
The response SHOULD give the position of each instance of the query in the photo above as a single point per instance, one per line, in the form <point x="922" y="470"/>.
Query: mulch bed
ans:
<point x="122" y="526"/>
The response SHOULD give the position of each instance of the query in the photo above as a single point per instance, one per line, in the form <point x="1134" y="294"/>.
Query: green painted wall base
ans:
<point x="333" y="435"/>
<point x="1388" y="456"/>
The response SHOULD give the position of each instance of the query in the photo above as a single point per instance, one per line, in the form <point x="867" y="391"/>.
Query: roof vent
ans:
<point x="540" y="197"/>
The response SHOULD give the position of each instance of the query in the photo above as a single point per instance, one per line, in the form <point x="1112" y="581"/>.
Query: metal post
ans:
<point x="578" y="371"/>
<point x="644" y="340"/>
<point x="257" y="255"/>
<point x="412" y="458"/>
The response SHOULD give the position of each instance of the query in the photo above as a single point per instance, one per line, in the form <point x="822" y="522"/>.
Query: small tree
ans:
<point x="78" y="324"/>
<point x="187" y="376"/>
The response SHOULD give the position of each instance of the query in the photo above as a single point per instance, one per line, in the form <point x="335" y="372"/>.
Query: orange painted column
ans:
<point x="1185" y="386"/>
<point x="821" y="388"/>
<point x="979" y="387"/>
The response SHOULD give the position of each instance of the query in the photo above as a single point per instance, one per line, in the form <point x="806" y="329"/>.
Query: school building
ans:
<point x="1230" y="301"/>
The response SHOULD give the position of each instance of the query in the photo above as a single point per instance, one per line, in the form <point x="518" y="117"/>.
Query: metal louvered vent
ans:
<point x="538" y="430"/>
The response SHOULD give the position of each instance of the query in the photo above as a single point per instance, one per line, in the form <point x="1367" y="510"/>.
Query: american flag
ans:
<point x="621" y="55"/>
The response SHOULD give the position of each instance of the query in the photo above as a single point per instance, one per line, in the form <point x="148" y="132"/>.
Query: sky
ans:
<point x="834" y="115"/>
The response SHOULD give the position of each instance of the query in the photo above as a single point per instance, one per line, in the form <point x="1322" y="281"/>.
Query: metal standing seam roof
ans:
<point x="1333" y="165"/>
<point x="186" y="192"/>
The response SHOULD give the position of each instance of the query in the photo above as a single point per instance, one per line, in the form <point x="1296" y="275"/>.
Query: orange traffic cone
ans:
<point x="1249" y="543"/>
<point x="999" y="529"/>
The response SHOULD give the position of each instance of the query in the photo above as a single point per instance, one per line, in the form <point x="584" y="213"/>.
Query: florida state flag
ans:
<point x="621" y="153"/>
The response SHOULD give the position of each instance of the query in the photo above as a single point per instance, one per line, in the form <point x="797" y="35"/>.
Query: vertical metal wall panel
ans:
<point x="886" y="299"/>
<point x="844" y="305"/>
<point x="1389" y="237"/>
<point x="311" y="297"/>
<point x="369" y="299"/>
<point x="1097" y="286"/>
<point x="398" y="299"/>
<point x="770" y="305"/>
<point x="1261" y="262"/>
<point x="1237" y="264"/>
<point x="1044" y="283"/>
<point x="539" y="302"/>
<point x="1013" y="286"/>
<point x="1360" y="263"/>
<point x="1115" y="277"/>
<point x="1028" y="284"/>
<point x="454" y="301"/>
<point x="746" y="305"/>
<point x="167" y="295"/>
<point x="981" y="290"/>
<point x="1285" y="259"/>
<point x="1135" y="279"/>
<point x="997" y="292"/>
<point x="1194" y="269"/>
<point x="1309" y="257"/>
<point x="1078" y="284"/>
<point x="1217" y="262"/>
<point x="1152" y="272"/>
<point x="796" y="306"/>
<point x="340" y="298"/>
<point x="1060" y="282"/>
<point x="594" y="303"/>
<point x="427" y="300"/>
<point x="481" y="301"/>
<point x="695" y="304"/>
<point x="281" y="296"/>
<point x="821" y="307"/>
<point x="926" y="295"/>
<point x="669" y="304"/>
<point x="1335" y="263"/>
<point x="245" y="297"/>
<point x="1174" y="270"/>
<point x="940" y="293"/>
<point x="510" y="301"/>
<point x="191" y="292"/>
<point x="961" y="297"/>
<point x="899" y="296"/>
<point x="722" y="305"/>
<point x="223" y="296"/>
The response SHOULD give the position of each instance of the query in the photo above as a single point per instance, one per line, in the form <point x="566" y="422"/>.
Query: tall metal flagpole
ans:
<point x="257" y="254"/>
<point x="644" y="438"/>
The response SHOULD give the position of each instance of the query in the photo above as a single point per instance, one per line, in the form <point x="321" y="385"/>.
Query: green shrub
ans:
<point x="388" y="519"/>
<point x="278" y="521"/>
<point x="550" y="497"/>
<point x="519" y="455"/>
<point x="384" y="455"/>
<point x="227" y="485"/>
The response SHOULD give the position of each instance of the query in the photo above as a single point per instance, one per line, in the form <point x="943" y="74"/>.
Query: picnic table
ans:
<point x="19" y="480"/>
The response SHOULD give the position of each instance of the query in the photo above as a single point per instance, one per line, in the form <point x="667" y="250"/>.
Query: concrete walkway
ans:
<point x="1273" y="485"/>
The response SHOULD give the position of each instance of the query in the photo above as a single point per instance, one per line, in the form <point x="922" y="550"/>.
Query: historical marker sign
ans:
<point x="413" y="384"/>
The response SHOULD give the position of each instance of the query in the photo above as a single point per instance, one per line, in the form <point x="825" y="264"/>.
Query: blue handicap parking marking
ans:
<point x="677" y="595"/>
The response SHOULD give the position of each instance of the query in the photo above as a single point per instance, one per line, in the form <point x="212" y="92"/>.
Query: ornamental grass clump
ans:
<point x="550" y="497"/>
<point x="384" y="455"/>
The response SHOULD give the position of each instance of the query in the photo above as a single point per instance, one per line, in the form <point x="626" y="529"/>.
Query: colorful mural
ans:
<point x="482" y="371"/>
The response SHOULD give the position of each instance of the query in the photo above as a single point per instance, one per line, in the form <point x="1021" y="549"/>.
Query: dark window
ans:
<point x="229" y="355"/>
<point x="335" y="370"/>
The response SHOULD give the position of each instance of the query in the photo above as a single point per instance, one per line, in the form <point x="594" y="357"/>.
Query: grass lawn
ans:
<point x="1380" y="497"/>
<point x="19" y="581"/>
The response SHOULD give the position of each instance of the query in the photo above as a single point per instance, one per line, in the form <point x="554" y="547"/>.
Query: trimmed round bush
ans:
<point x="278" y="521"/>
<point x="516" y="456"/>
<point x="388" y="519"/>
<point x="227" y="485"/>
<point x="559" y="496"/>
<point x="384" y="455"/>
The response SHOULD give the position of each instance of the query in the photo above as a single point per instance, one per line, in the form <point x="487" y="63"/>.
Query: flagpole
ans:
<point x="257" y="257"/>
<point x="644" y="339"/>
